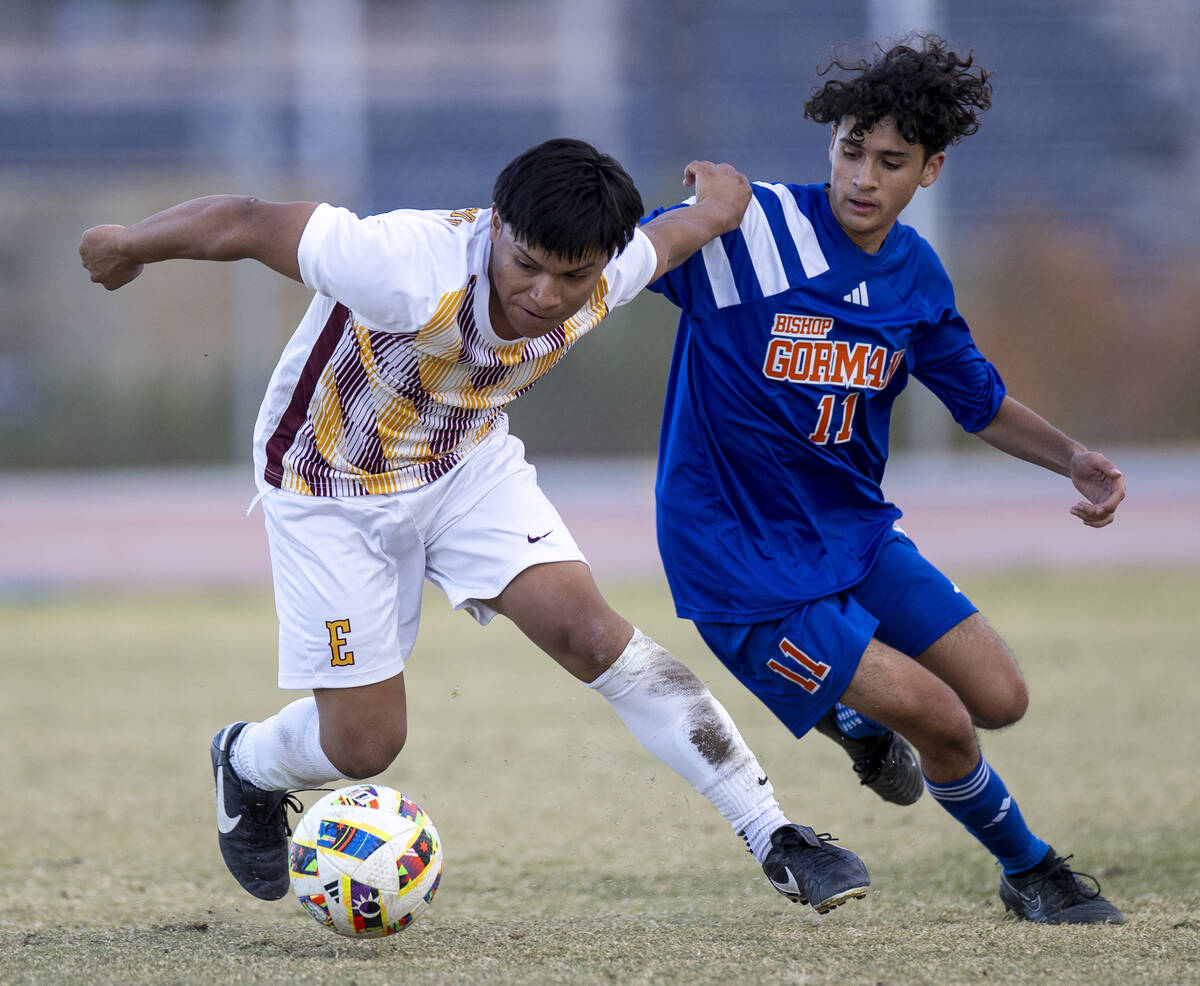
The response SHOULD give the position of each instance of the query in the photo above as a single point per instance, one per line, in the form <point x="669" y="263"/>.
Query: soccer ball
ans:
<point x="365" y="861"/>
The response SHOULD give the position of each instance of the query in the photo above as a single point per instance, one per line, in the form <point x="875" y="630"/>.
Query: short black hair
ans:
<point x="929" y="90"/>
<point x="569" y="199"/>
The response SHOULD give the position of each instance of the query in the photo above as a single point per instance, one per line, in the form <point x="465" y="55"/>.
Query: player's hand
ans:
<point x="100" y="252"/>
<point x="720" y="188"/>
<point x="1102" y="483"/>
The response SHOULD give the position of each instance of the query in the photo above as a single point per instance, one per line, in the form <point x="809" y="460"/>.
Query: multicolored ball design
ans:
<point x="365" y="861"/>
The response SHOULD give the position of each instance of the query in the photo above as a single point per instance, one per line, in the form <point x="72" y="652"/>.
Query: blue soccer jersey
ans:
<point x="792" y="347"/>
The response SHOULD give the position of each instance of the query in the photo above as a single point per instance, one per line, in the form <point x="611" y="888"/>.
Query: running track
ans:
<point x="978" y="511"/>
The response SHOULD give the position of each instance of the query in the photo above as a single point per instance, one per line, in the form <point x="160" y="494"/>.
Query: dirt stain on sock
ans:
<point x="675" y="678"/>
<point x="710" y="734"/>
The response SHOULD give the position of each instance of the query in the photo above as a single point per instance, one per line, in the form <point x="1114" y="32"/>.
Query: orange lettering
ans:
<point x="798" y="368"/>
<point x="806" y="683"/>
<point x="818" y="668"/>
<point x="850" y="363"/>
<point x="847" y="429"/>
<point x="820" y="434"/>
<point x="779" y="353"/>
<point x="875" y="368"/>
<point x="791" y="324"/>
<point x="822" y="362"/>
<point x="895" y="365"/>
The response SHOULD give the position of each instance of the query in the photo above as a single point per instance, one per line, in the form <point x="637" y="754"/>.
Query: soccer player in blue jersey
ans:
<point x="798" y="331"/>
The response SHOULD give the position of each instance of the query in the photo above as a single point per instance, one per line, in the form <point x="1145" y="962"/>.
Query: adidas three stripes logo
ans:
<point x="858" y="296"/>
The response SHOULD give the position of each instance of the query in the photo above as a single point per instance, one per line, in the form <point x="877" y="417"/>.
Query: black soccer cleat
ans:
<point x="886" y="763"/>
<point x="252" y="825"/>
<point x="1052" y="893"/>
<point x="807" y="869"/>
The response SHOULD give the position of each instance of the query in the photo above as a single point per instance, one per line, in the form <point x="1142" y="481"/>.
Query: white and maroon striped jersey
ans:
<point x="395" y="373"/>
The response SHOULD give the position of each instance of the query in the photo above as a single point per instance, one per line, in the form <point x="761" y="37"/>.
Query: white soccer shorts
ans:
<point x="349" y="571"/>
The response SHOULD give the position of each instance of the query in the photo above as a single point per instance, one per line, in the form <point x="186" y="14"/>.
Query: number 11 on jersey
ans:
<point x="820" y="434"/>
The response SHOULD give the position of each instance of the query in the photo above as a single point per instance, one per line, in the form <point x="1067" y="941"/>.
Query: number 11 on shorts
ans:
<point x="817" y="671"/>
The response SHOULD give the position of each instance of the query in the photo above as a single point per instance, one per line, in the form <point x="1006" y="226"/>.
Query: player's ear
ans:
<point x="497" y="224"/>
<point x="933" y="168"/>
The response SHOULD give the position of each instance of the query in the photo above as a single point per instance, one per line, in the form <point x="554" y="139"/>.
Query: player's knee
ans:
<point x="368" y="763"/>
<point x="591" y="643"/>
<point x="1005" y="707"/>
<point x="951" y="734"/>
<point x="369" y="752"/>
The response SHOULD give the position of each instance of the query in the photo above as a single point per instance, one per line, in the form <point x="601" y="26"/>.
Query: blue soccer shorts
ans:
<point x="800" y="664"/>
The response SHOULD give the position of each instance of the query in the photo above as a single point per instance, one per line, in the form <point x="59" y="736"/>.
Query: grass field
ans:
<point x="572" y="856"/>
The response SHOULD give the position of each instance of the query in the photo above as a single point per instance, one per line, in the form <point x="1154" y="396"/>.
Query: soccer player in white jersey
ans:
<point x="798" y="331"/>
<point x="383" y="458"/>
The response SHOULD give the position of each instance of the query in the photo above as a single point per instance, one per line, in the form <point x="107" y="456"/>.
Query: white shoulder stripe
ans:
<point x="764" y="251"/>
<point x="803" y="234"/>
<point x="720" y="274"/>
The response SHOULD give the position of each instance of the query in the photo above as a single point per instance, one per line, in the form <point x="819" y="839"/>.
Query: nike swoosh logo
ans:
<point x="762" y="780"/>
<point x="533" y="540"/>
<point x="225" y="824"/>
<point x="791" y="887"/>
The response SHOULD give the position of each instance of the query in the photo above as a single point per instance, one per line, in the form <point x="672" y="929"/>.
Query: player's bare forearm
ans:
<point x="722" y="194"/>
<point x="1026" y="435"/>
<point x="216" y="227"/>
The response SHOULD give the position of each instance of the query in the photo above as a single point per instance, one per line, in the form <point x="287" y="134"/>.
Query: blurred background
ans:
<point x="1068" y="223"/>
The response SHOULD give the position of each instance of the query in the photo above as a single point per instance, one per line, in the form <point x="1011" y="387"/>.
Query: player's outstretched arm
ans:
<point x="216" y="227"/>
<point x="1021" y="432"/>
<point x="722" y="194"/>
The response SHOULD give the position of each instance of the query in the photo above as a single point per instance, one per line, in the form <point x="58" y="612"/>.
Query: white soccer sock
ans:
<point x="675" y="717"/>
<point x="284" y="750"/>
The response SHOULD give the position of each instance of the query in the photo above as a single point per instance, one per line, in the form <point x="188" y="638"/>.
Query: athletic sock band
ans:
<point x="982" y="804"/>
<point x="855" y="724"/>
<point x="283" y="752"/>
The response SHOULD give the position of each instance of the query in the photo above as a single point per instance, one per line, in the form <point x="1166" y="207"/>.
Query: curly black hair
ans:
<point x="929" y="91"/>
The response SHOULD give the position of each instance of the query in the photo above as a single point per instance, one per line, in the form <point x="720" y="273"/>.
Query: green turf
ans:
<point x="571" y="855"/>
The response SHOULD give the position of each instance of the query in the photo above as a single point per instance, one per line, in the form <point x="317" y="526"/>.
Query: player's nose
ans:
<point x="545" y="293"/>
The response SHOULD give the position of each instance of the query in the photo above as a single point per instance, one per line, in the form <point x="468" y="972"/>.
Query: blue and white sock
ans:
<point x="982" y="804"/>
<point x="855" y="725"/>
